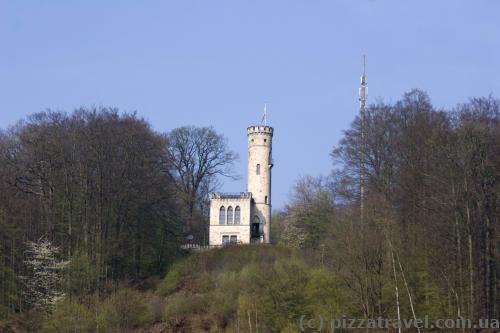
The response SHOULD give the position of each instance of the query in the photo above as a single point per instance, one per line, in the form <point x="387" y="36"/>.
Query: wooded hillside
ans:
<point x="101" y="202"/>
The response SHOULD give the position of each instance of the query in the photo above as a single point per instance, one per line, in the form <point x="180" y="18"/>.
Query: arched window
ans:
<point x="257" y="171"/>
<point x="229" y="215"/>
<point x="237" y="213"/>
<point x="222" y="215"/>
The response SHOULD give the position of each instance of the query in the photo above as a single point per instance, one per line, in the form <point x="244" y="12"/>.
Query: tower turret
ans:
<point x="260" y="164"/>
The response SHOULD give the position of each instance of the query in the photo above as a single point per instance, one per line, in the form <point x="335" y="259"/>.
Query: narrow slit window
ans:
<point x="265" y="200"/>
<point x="257" y="170"/>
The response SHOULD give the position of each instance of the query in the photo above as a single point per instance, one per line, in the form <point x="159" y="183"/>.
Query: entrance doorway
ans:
<point x="255" y="230"/>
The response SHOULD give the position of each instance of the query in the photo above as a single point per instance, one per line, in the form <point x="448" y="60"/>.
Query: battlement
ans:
<point x="260" y="129"/>
<point x="240" y="195"/>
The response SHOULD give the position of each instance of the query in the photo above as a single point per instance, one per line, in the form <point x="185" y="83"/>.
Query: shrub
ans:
<point x="184" y="312"/>
<point x="123" y="310"/>
<point x="82" y="273"/>
<point x="179" y="305"/>
<point x="71" y="317"/>
<point x="182" y="276"/>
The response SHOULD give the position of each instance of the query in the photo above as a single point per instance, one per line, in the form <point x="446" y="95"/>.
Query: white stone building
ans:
<point x="246" y="217"/>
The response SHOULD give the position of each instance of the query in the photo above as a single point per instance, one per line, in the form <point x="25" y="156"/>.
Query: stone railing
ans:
<point x="199" y="247"/>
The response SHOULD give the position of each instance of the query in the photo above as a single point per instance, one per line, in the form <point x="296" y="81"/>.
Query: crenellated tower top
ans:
<point x="260" y="129"/>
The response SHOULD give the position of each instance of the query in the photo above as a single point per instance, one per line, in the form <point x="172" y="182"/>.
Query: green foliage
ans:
<point x="431" y="299"/>
<point x="179" y="305"/>
<point x="8" y="291"/>
<point x="123" y="310"/>
<point x="82" y="274"/>
<point x="9" y="288"/>
<point x="261" y="287"/>
<point x="325" y="294"/>
<point x="180" y="276"/>
<point x="70" y="317"/>
<point x="170" y="282"/>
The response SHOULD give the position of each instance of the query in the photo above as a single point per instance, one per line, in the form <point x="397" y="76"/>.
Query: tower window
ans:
<point x="237" y="213"/>
<point x="230" y="215"/>
<point x="265" y="140"/>
<point x="257" y="171"/>
<point x="222" y="215"/>
<point x="265" y="200"/>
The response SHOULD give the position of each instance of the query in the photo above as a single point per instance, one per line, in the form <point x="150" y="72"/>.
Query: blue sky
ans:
<point x="211" y="62"/>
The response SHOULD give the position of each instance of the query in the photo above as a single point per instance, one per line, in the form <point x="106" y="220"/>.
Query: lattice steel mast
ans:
<point x="363" y="91"/>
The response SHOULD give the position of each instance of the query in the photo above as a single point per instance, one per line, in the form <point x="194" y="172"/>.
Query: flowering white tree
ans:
<point x="43" y="287"/>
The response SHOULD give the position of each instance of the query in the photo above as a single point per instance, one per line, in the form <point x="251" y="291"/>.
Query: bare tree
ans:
<point x="198" y="156"/>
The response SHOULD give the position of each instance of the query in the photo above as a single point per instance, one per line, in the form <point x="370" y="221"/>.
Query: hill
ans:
<point x="247" y="289"/>
<point x="233" y="289"/>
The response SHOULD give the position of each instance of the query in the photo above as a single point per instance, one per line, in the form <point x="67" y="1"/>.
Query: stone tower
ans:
<point x="260" y="163"/>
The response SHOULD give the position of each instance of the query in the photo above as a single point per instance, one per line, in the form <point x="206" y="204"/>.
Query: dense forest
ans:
<point x="95" y="204"/>
<point x="432" y="203"/>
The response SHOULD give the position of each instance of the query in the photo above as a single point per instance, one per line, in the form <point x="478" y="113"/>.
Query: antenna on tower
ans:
<point x="363" y="89"/>
<point x="264" y="115"/>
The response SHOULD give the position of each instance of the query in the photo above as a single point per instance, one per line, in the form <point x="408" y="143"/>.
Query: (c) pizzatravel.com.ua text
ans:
<point x="322" y="324"/>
